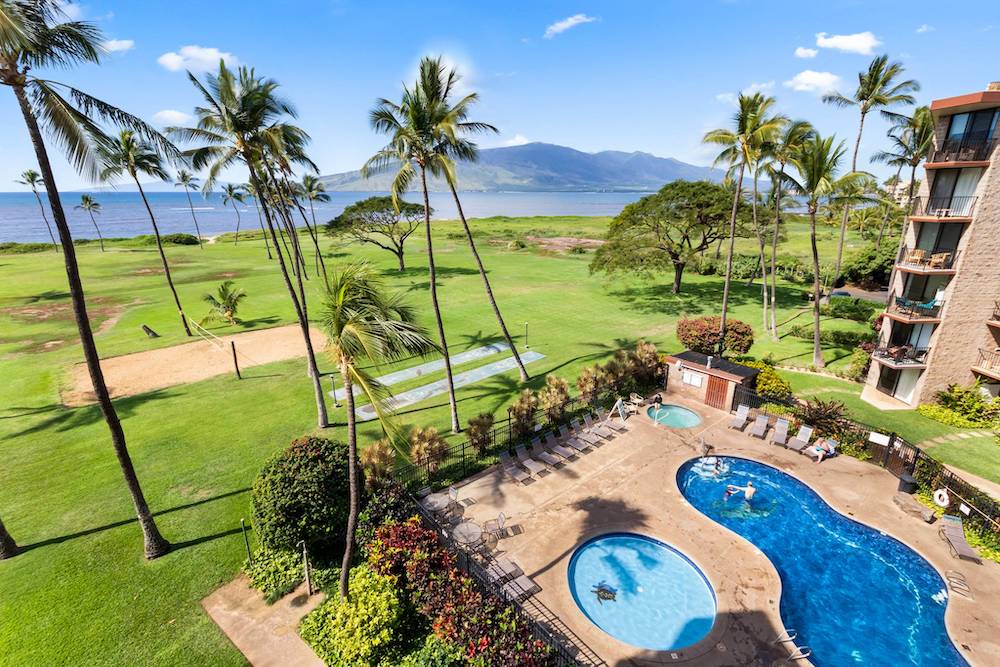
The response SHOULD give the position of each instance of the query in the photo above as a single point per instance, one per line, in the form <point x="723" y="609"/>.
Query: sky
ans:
<point x="631" y="76"/>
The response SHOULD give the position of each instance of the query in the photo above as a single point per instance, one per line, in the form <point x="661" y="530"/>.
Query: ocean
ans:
<point x="123" y="214"/>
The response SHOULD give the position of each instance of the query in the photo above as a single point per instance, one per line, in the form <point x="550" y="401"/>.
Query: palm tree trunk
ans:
<point x="263" y="231"/>
<point x="486" y="284"/>
<point x="98" y="229"/>
<point x="320" y="264"/>
<point x="41" y="207"/>
<point x="197" y="230"/>
<point x="453" y="404"/>
<point x="8" y="547"/>
<point x="761" y="259"/>
<point x="888" y="213"/>
<point x="236" y="242"/>
<point x="155" y="544"/>
<point x="729" y="260"/>
<point x="352" y="468"/>
<point x="817" y="351"/>
<point x="163" y="257"/>
<point x="847" y="206"/>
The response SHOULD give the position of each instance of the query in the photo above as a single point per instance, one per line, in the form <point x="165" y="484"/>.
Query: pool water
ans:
<point x="662" y="601"/>
<point x="855" y="595"/>
<point x="673" y="415"/>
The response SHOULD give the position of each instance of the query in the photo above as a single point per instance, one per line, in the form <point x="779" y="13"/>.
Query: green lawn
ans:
<point x="82" y="593"/>
<point x="979" y="455"/>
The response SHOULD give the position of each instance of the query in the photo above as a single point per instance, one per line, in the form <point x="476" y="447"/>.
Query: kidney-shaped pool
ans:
<point x="855" y="595"/>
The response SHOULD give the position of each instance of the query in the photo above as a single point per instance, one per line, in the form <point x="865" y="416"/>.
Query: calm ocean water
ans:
<point x="123" y="214"/>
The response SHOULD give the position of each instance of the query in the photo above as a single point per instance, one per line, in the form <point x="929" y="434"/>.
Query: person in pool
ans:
<point x="748" y="491"/>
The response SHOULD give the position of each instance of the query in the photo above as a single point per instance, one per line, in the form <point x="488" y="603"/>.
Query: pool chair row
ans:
<point x="560" y="447"/>
<point x="801" y="442"/>
<point x="505" y="574"/>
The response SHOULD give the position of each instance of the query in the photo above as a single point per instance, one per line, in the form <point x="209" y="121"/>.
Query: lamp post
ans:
<point x="526" y="346"/>
<point x="333" y="382"/>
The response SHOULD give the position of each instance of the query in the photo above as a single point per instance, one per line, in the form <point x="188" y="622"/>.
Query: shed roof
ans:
<point x="720" y="367"/>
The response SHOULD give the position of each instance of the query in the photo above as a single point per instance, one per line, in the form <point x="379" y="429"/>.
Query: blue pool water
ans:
<point x="855" y="595"/>
<point x="673" y="415"/>
<point x="662" y="601"/>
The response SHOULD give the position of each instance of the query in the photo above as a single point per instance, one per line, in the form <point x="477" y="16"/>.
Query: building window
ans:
<point x="693" y="379"/>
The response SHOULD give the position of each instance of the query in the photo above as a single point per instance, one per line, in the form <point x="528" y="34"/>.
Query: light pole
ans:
<point x="526" y="346"/>
<point x="333" y="382"/>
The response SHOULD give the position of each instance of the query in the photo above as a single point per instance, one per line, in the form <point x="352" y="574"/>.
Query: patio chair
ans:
<point x="636" y="400"/>
<point x="939" y="260"/>
<point x="581" y="434"/>
<point x="951" y="531"/>
<point x="511" y="469"/>
<point x="801" y="439"/>
<point x="606" y="420"/>
<point x="552" y="444"/>
<point x="531" y="464"/>
<point x="759" y="427"/>
<point x="779" y="436"/>
<point x="495" y="527"/>
<point x="597" y="429"/>
<point x="740" y="419"/>
<point x="917" y="256"/>
<point x="543" y="454"/>
<point x="520" y="588"/>
<point x="813" y="452"/>
<point x="502" y="569"/>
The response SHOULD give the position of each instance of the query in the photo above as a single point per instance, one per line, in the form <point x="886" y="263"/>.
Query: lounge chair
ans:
<point x="571" y="440"/>
<point x="779" y="436"/>
<point x="552" y="444"/>
<point x="511" y="469"/>
<point x="759" y="427"/>
<point x="543" y="454"/>
<point x="813" y="452"/>
<point x="520" y="588"/>
<point x="636" y="400"/>
<point x="581" y="434"/>
<point x="531" y="464"/>
<point x="740" y="419"/>
<point x="951" y="531"/>
<point x="597" y="429"/>
<point x="495" y="527"/>
<point x="607" y="420"/>
<point x="502" y="569"/>
<point x="801" y="439"/>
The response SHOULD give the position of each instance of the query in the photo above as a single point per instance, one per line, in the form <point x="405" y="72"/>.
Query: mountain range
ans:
<point x="540" y="167"/>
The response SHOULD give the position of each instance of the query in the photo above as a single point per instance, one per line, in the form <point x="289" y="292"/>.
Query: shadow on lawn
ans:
<point x="67" y="419"/>
<point x="697" y="298"/>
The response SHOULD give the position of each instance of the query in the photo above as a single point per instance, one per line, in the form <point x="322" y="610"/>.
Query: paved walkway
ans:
<point x="267" y="635"/>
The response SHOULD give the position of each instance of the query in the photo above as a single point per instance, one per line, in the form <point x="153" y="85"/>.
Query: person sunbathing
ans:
<point x="823" y="447"/>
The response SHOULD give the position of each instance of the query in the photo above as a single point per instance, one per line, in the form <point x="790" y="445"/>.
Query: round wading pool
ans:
<point x="672" y="415"/>
<point x="641" y="591"/>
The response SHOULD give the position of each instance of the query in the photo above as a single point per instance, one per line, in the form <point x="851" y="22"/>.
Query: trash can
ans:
<point x="907" y="483"/>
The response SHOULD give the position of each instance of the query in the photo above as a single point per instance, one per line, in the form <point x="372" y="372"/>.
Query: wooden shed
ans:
<point x="710" y="379"/>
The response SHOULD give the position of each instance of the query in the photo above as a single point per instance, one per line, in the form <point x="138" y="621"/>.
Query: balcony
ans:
<point x="988" y="364"/>
<point x="940" y="261"/>
<point x="906" y="310"/>
<point x="901" y="356"/>
<point x="943" y="209"/>
<point x="967" y="149"/>
<point x="994" y="320"/>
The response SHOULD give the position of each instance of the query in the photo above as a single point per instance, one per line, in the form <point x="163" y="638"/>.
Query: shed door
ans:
<point x="715" y="396"/>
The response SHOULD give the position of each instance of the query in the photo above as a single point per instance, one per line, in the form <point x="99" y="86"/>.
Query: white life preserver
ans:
<point x="941" y="498"/>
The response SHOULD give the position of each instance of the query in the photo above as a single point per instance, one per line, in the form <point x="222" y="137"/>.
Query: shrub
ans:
<point x="948" y="416"/>
<point x="434" y="653"/>
<point x="362" y="630"/>
<point x="516" y="244"/>
<point x="861" y="359"/>
<point x="619" y="372"/>
<point x="837" y="337"/>
<point x="275" y="573"/>
<point x="378" y="459"/>
<point x="301" y="494"/>
<point x="851" y="308"/>
<point x="744" y="267"/>
<point x="646" y="364"/>
<point x="701" y="334"/>
<point x="591" y="384"/>
<point x="428" y="448"/>
<point x="827" y="417"/>
<point x="872" y="266"/>
<point x="971" y="403"/>
<point x="480" y="428"/>
<point x="168" y="239"/>
<point x="553" y="397"/>
<point x="770" y="386"/>
<point x="523" y="412"/>
<point x="388" y="504"/>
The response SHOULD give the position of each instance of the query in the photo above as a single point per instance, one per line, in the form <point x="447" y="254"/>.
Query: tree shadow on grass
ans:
<point x="442" y="273"/>
<point x="259" y="321"/>
<point x="695" y="298"/>
<point x="68" y="419"/>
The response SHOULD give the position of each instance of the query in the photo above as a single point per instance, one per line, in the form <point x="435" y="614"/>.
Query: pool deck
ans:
<point x="629" y="484"/>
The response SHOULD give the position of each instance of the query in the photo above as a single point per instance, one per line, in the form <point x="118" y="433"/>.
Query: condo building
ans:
<point x="942" y="319"/>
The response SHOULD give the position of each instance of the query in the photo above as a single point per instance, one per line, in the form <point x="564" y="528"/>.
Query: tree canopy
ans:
<point x="376" y="221"/>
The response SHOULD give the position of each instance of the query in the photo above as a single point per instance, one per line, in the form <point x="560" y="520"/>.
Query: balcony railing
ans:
<point x="939" y="259"/>
<point x="967" y="149"/>
<point x="989" y="360"/>
<point x="996" y="312"/>
<point x="902" y="355"/>
<point x="943" y="207"/>
<point x="911" y="308"/>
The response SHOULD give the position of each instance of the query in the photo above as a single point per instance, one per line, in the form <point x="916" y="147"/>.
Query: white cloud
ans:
<point x="810" y="81"/>
<point x="517" y="140"/>
<point x="803" y="52"/>
<point x="730" y="98"/>
<point x="170" y="117"/>
<point x="860" y="42"/>
<point x="925" y="28"/>
<point x="566" y="24"/>
<point x="726" y="98"/>
<point x="196" y="59"/>
<point x="119" y="45"/>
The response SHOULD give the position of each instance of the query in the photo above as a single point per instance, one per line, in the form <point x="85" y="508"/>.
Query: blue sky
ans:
<point x="650" y="76"/>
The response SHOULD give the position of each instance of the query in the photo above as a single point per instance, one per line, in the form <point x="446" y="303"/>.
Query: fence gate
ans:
<point x="715" y="395"/>
<point x="900" y="458"/>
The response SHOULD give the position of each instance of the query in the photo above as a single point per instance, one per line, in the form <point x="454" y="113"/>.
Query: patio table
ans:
<point x="437" y="502"/>
<point x="467" y="533"/>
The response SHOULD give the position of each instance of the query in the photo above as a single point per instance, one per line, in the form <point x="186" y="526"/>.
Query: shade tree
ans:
<point x="379" y="222"/>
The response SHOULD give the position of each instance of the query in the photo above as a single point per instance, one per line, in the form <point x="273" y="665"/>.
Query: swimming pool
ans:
<point x="676" y="416"/>
<point x="855" y="595"/>
<point x="661" y="600"/>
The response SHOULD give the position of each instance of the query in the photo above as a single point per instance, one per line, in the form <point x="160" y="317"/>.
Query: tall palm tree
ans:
<point x="128" y="154"/>
<point x="817" y="164"/>
<point x="878" y="88"/>
<point x="91" y="206"/>
<point x="188" y="181"/>
<point x="313" y="190"/>
<point x="437" y="83"/>
<point x="33" y="179"/>
<point x="252" y="193"/>
<point x="8" y="547"/>
<point x="753" y="127"/>
<point x="412" y="151"/>
<point x="233" y="194"/>
<point x="364" y="322"/>
<point x="34" y="36"/>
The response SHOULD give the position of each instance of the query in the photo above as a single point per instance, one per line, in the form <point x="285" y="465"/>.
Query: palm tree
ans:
<point x="437" y="83"/>
<point x="817" y="164"/>
<point x="753" y="127"/>
<point x="224" y="303"/>
<point x="364" y="322"/>
<point x="313" y="190"/>
<point x="32" y="179"/>
<point x="188" y="181"/>
<point x="233" y="194"/>
<point x="878" y="88"/>
<point x="8" y="547"/>
<point x="252" y="193"/>
<point x="129" y="154"/>
<point x="34" y="36"/>
<point x="91" y="206"/>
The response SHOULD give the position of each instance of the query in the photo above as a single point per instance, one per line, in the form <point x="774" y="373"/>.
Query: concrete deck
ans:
<point x="629" y="484"/>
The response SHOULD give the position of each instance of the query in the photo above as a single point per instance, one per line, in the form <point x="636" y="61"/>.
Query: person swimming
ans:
<point x="748" y="491"/>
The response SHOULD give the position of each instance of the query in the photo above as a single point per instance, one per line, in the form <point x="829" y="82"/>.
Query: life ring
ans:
<point x="941" y="498"/>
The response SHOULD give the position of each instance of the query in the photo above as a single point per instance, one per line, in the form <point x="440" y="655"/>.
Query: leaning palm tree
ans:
<point x="437" y="83"/>
<point x="33" y="180"/>
<point x="753" y="127"/>
<point x="188" y="181"/>
<point x="817" y="164"/>
<point x="8" y="547"/>
<point x="128" y="154"/>
<point x="252" y="193"/>
<point x="91" y="206"/>
<point x="224" y="304"/>
<point x="878" y="88"/>
<point x="233" y="194"/>
<point x="34" y="36"/>
<point x="365" y="324"/>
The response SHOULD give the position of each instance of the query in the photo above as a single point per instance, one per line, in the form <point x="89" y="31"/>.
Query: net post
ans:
<point x="236" y="364"/>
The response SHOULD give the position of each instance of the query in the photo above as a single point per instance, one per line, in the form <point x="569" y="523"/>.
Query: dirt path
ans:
<point x="140" y="372"/>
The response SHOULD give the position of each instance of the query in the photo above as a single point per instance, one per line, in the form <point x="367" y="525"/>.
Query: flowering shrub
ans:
<point x="701" y="334"/>
<point x="389" y="504"/>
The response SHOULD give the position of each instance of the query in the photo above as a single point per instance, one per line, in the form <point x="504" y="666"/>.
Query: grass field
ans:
<point x="979" y="455"/>
<point x="82" y="594"/>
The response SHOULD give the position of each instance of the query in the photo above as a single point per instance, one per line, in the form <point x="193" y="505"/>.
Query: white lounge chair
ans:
<point x="511" y="469"/>
<point x="531" y="464"/>
<point x="597" y="429"/>
<point x="741" y="417"/>
<point x="759" y="427"/>
<point x="543" y="455"/>
<point x="552" y="443"/>
<point x="780" y="434"/>
<point x="581" y="434"/>
<point x="801" y="439"/>
<point x="607" y="420"/>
